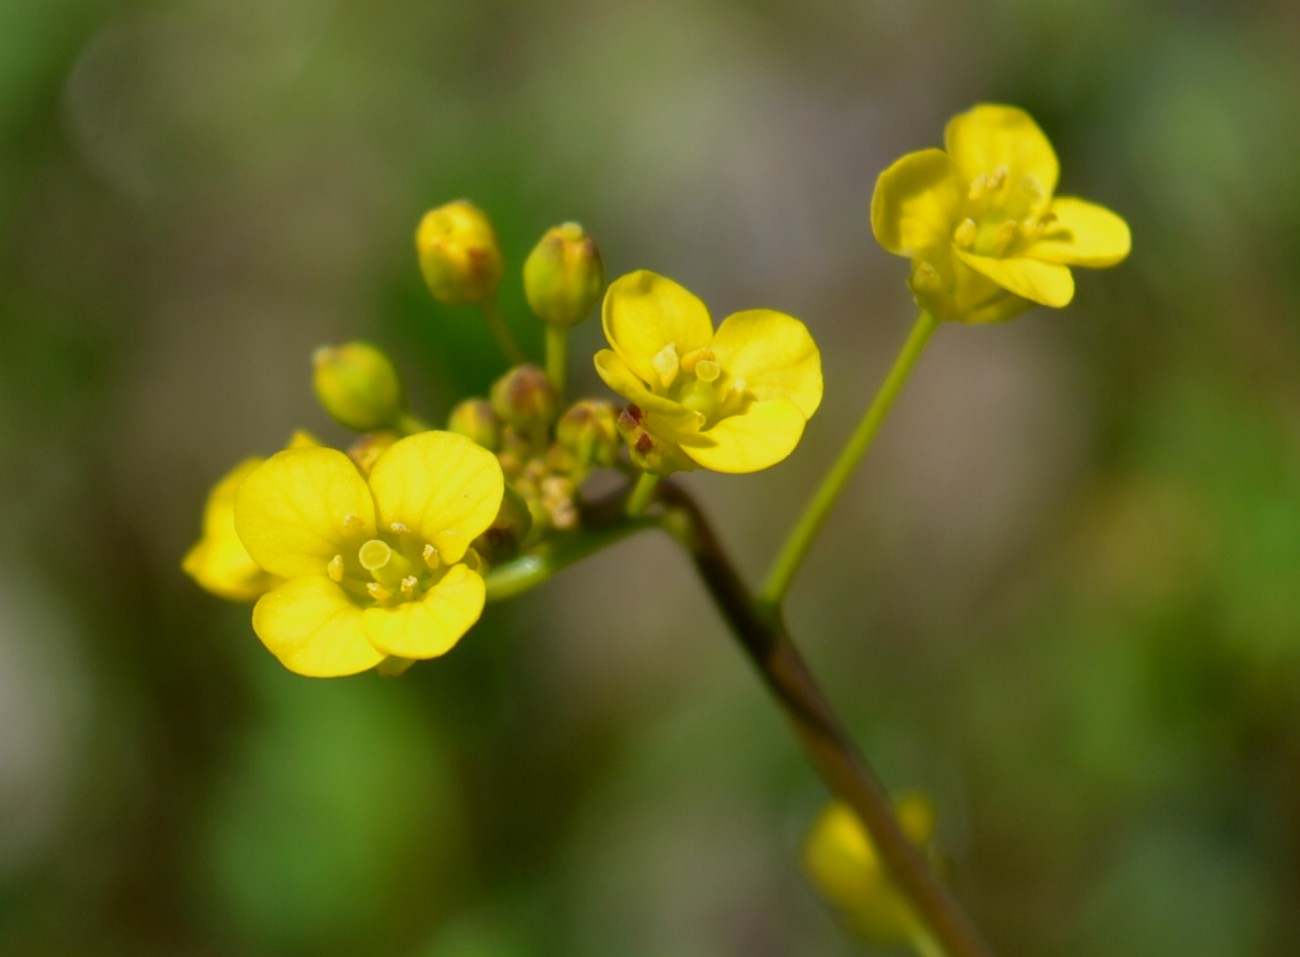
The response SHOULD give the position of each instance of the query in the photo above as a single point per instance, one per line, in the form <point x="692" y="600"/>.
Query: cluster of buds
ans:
<point x="545" y="455"/>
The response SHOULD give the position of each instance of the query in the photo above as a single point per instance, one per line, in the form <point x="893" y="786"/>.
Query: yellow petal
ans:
<point x="915" y="203"/>
<point x="291" y="511"/>
<point x="618" y="375"/>
<point x="644" y="313"/>
<point x="774" y="355"/>
<point x="760" y="437"/>
<point x="1084" y="234"/>
<point x="442" y="486"/>
<point x="431" y="626"/>
<point x="1048" y="284"/>
<point x="312" y="626"/>
<point x="989" y="136"/>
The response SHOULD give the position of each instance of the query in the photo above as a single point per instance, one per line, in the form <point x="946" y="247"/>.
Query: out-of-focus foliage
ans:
<point x="1064" y="597"/>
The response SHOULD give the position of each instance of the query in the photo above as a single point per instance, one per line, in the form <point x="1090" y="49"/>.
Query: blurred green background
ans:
<point x="1063" y="596"/>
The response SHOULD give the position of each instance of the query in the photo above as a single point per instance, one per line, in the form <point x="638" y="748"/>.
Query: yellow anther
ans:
<point x="667" y="364"/>
<point x="378" y="592"/>
<point x="965" y="234"/>
<point x="409" y="584"/>
<point x="353" y="523"/>
<point x="977" y="187"/>
<point x="374" y="555"/>
<point x="399" y="529"/>
<point x="706" y="370"/>
<point x="999" y="177"/>
<point x="431" y="557"/>
<point x="335" y="568"/>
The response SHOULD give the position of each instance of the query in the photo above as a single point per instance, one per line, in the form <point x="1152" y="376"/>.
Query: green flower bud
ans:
<point x="564" y="276"/>
<point x="459" y="254"/>
<point x="525" y="399"/>
<point x="358" y="385"/>
<point x="506" y="535"/>
<point x="588" y="431"/>
<point x="474" y="419"/>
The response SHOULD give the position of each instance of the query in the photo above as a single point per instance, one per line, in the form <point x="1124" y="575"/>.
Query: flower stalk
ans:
<point x="765" y="640"/>
<point x="796" y="546"/>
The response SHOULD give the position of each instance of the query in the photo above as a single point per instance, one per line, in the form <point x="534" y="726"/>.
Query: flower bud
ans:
<point x="589" y="433"/>
<point x="459" y="254"/>
<point x="525" y="399"/>
<point x="505" y="536"/>
<point x="474" y="419"/>
<point x="564" y="276"/>
<point x="365" y="451"/>
<point x="357" y="385"/>
<point x="842" y="862"/>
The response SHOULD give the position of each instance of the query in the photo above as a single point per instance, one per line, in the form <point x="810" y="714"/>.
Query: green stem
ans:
<point x="767" y="643"/>
<point x="540" y="565"/>
<point x="763" y="636"/>
<point x="557" y="342"/>
<point x="805" y="531"/>
<point x="642" y="494"/>
<point x="924" y="944"/>
<point x="506" y="340"/>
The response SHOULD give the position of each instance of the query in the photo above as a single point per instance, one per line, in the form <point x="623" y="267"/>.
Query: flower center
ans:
<point x="1002" y="213"/>
<point x="698" y="382"/>
<point x="394" y="567"/>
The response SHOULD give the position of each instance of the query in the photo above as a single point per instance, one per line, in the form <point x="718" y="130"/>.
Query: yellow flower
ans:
<point x="218" y="561"/>
<point x="986" y="237"/>
<point x="373" y="567"/>
<point x="735" y="400"/>
<point x="842" y="864"/>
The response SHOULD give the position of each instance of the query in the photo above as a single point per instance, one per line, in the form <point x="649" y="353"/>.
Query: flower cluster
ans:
<point x="378" y="556"/>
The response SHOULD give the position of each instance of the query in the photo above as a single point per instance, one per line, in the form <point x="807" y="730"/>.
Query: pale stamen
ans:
<point x="378" y="592"/>
<point x="667" y="364"/>
<point x="335" y="568"/>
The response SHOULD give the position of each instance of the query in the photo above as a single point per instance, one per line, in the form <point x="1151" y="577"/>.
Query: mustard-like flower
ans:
<point x="842" y="863"/>
<point x="373" y="567"/>
<point x="734" y="400"/>
<point x="218" y="562"/>
<point x="980" y="222"/>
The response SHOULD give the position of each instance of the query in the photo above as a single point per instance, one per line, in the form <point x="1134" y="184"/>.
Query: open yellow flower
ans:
<point x="218" y="562"/>
<point x="373" y="567"/>
<point x="985" y="234"/>
<point x="734" y="400"/>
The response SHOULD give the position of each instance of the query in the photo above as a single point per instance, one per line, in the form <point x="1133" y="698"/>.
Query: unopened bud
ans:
<point x="505" y="536"/>
<point x="842" y="862"/>
<point x="588" y="431"/>
<point x="474" y="419"/>
<point x="365" y="451"/>
<point x="459" y="254"/>
<point x="357" y="385"/>
<point x="564" y="276"/>
<point x="525" y="399"/>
